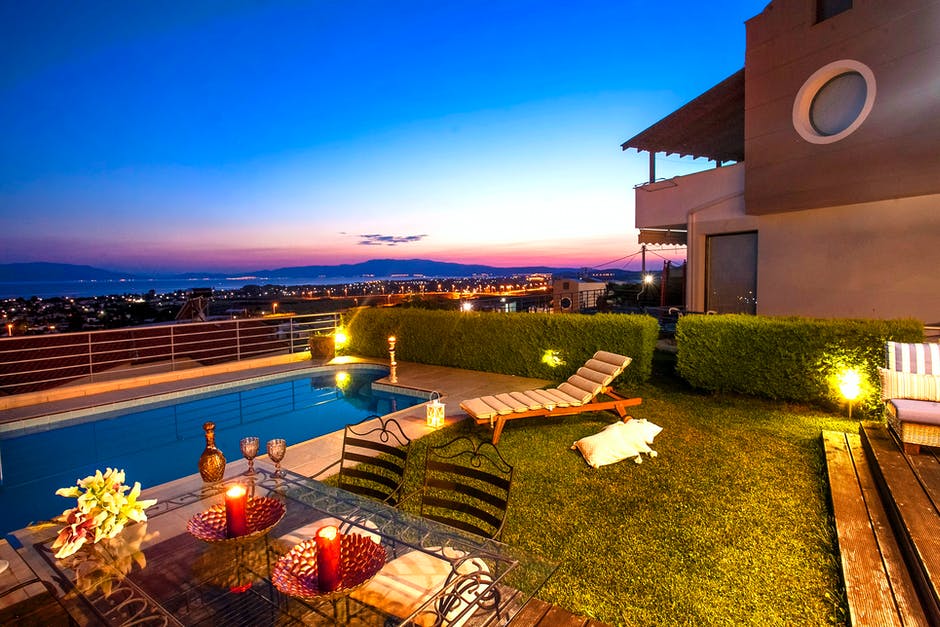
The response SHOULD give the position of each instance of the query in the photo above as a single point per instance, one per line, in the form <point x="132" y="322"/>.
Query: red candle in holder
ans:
<point x="236" y="506"/>
<point x="328" y="566"/>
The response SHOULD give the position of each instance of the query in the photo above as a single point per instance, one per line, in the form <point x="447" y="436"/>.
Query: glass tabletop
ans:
<point x="157" y="573"/>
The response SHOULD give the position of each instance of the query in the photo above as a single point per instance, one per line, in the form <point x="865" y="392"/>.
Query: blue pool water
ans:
<point x="162" y="441"/>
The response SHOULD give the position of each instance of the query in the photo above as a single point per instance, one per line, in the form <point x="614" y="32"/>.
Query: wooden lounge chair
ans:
<point x="578" y="394"/>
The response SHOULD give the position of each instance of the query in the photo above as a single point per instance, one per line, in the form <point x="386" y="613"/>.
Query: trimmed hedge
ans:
<point x="504" y="343"/>
<point x="788" y="358"/>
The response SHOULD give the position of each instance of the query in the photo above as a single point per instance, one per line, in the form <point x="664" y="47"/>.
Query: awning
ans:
<point x="669" y="237"/>
<point x="710" y="126"/>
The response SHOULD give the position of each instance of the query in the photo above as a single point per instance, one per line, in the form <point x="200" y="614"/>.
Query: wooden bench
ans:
<point x="878" y="586"/>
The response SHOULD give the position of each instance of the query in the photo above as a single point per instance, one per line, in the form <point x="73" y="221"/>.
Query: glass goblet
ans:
<point x="276" y="450"/>
<point x="250" y="451"/>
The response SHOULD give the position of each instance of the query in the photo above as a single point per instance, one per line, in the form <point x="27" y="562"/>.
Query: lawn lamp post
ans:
<point x="850" y="387"/>
<point x="392" y="375"/>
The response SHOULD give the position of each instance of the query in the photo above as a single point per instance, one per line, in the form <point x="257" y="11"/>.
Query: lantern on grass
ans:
<point x="435" y="411"/>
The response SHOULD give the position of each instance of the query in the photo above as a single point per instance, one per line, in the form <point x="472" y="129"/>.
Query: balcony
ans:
<point x="668" y="203"/>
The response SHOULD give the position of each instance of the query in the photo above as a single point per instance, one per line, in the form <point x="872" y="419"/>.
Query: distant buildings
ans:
<point x="831" y="206"/>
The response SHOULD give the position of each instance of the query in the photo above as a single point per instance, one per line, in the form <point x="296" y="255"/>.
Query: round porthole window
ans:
<point x="834" y="101"/>
<point x="565" y="302"/>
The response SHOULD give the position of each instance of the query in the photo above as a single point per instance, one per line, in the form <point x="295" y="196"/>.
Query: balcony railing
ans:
<point x="37" y="362"/>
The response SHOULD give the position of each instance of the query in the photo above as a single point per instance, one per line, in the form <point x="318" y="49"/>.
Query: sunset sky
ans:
<point x="238" y="135"/>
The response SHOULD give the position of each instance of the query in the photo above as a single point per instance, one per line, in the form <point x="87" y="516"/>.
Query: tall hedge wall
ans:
<point x="503" y="343"/>
<point x="795" y="359"/>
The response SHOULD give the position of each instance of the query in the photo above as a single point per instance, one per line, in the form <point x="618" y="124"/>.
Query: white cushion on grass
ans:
<point x="641" y="428"/>
<point x="607" y="447"/>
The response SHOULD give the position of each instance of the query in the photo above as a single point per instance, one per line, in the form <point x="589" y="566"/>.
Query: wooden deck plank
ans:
<point x="917" y="521"/>
<point x="909" y="606"/>
<point x="869" y="594"/>
<point x="927" y="467"/>
<point x="531" y="613"/>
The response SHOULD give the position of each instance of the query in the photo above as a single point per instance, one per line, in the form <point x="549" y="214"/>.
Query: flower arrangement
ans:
<point x="102" y="511"/>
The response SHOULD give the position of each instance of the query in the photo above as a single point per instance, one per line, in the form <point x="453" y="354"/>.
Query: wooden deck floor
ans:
<point x="887" y="510"/>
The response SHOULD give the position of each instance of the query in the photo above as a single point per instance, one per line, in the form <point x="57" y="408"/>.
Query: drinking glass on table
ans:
<point x="276" y="450"/>
<point x="250" y="451"/>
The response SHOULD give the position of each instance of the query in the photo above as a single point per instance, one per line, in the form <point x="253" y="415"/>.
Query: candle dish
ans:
<point x="295" y="573"/>
<point x="262" y="513"/>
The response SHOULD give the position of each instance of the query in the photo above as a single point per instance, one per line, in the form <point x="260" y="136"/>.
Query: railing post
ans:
<point x="290" y="350"/>
<point x="172" y="351"/>
<point x="238" y="341"/>
<point x="91" y="361"/>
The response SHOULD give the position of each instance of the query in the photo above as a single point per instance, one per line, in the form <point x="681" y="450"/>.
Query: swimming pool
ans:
<point x="161" y="440"/>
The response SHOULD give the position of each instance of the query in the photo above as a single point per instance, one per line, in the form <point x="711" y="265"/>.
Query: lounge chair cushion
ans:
<point x="894" y="384"/>
<point x="607" y="447"/>
<point x="594" y="376"/>
<point x="602" y="366"/>
<point x="913" y="411"/>
<point x="613" y="358"/>
<point x="579" y="394"/>
<point x="561" y="399"/>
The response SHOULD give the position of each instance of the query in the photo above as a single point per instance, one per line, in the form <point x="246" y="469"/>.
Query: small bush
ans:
<point x="795" y="359"/>
<point x="546" y="346"/>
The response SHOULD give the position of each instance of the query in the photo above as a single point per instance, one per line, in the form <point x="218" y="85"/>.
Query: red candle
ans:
<point x="236" y="504"/>
<point x="328" y="567"/>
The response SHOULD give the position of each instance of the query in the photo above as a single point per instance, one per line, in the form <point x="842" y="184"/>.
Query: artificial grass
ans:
<point x="729" y="525"/>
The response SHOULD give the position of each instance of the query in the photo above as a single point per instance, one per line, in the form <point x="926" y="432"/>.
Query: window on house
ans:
<point x="731" y="273"/>
<point x="827" y="8"/>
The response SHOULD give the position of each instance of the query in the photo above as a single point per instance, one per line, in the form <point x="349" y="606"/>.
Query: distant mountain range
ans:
<point x="40" y="271"/>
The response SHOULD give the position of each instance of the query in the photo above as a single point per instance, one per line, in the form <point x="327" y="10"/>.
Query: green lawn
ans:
<point x="729" y="525"/>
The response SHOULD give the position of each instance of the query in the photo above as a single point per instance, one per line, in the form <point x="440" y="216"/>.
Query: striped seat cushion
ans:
<point x="922" y="358"/>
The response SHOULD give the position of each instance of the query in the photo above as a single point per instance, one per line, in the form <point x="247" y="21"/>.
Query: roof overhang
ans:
<point x="710" y="126"/>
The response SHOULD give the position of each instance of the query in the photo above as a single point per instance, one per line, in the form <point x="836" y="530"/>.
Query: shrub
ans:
<point x="795" y="359"/>
<point x="547" y="346"/>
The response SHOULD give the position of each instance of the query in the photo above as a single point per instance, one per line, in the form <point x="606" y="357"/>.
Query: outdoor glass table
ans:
<point x="156" y="573"/>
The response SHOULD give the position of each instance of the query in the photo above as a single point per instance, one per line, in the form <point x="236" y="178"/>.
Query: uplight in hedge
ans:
<point x="466" y="306"/>
<point x="552" y="358"/>
<point x="340" y="338"/>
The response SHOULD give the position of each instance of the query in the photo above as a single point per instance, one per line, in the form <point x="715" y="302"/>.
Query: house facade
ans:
<point x="827" y="199"/>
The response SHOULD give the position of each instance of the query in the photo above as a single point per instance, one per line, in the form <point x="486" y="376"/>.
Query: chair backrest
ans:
<point x="466" y="486"/>
<point x="921" y="358"/>
<point x="375" y="454"/>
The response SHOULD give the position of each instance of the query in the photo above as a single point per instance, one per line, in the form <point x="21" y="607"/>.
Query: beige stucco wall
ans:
<point x="872" y="260"/>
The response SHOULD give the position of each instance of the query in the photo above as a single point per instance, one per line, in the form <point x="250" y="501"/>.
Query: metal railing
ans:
<point x="36" y="362"/>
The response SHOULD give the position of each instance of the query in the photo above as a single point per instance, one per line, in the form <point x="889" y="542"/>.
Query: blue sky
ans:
<point x="235" y="135"/>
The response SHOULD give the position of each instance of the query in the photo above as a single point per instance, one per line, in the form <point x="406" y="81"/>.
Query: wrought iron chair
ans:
<point x="375" y="454"/>
<point x="466" y="486"/>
